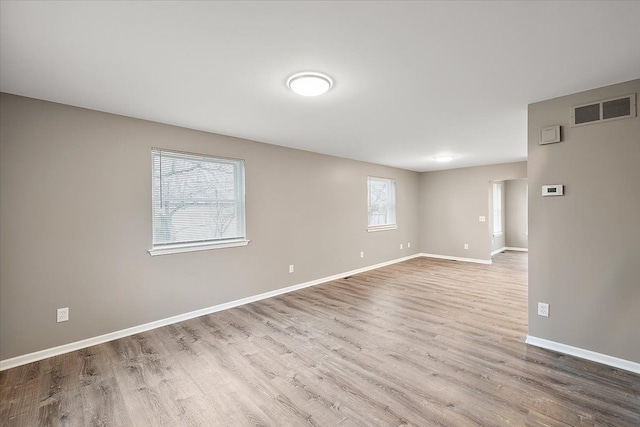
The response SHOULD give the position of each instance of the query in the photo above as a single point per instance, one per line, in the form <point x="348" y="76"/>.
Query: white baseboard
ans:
<point x="615" y="362"/>
<point x="78" y="345"/>
<point x="509" y="248"/>
<point x="455" y="258"/>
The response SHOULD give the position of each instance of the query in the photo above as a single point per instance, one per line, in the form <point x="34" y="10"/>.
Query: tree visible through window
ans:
<point x="382" y="202"/>
<point x="196" y="199"/>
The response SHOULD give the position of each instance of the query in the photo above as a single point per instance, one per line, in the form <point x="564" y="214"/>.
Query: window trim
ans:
<point x="383" y="227"/>
<point x="192" y="247"/>
<point x="374" y="228"/>
<point x="203" y="245"/>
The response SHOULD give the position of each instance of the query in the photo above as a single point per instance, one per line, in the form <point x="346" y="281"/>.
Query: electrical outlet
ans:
<point x="409" y="245"/>
<point x="482" y="218"/>
<point x="62" y="314"/>
<point x="291" y="268"/>
<point x="466" y="246"/>
<point x="400" y="245"/>
<point x="361" y="254"/>
<point x="543" y="309"/>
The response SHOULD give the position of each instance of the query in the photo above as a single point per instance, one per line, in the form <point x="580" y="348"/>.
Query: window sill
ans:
<point x="192" y="247"/>
<point x="497" y="234"/>
<point x="375" y="228"/>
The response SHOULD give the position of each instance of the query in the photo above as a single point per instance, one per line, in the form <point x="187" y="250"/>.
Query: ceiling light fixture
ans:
<point x="446" y="158"/>
<point x="309" y="83"/>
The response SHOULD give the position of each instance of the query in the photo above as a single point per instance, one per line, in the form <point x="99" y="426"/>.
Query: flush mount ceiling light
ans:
<point x="446" y="158"/>
<point x="309" y="83"/>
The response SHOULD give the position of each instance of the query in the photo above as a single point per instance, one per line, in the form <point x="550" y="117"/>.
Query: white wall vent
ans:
<point x="622" y="107"/>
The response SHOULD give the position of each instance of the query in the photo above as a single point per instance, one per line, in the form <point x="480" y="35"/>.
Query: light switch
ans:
<point x="482" y="218"/>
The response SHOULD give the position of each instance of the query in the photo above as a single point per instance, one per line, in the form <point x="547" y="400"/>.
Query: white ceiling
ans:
<point x="412" y="79"/>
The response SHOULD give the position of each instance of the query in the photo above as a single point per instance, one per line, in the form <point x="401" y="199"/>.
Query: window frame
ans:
<point x="203" y="244"/>
<point x="391" y="207"/>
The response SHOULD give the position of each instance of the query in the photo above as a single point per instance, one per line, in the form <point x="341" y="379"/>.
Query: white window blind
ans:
<point x="382" y="202"/>
<point x="196" y="199"/>
<point x="497" y="208"/>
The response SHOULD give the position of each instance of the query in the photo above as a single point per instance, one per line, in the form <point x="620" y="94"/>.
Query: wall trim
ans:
<point x="510" y="248"/>
<point x="78" y="345"/>
<point x="455" y="258"/>
<point x="605" y="359"/>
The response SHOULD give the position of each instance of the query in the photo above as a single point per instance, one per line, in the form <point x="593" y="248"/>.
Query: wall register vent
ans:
<point x="622" y="107"/>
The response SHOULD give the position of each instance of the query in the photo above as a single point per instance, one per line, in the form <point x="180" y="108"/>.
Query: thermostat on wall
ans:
<point x="553" y="190"/>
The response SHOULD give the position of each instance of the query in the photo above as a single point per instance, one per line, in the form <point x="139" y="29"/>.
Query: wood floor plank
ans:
<point x="60" y="399"/>
<point x="102" y="399"/>
<point x="20" y="395"/>
<point x="423" y="343"/>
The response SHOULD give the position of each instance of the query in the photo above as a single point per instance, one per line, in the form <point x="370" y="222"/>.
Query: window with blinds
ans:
<point x="382" y="203"/>
<point x="196" y="200"/>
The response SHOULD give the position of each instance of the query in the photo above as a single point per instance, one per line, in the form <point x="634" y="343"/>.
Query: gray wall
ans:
<point x="584" y="247"/>
<point x="75" y="224"/>
<point x="516" y="213"/>
<point x="451" y="202"/>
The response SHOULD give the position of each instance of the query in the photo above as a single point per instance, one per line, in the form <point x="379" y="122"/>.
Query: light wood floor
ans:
<point x="425" y="342"/>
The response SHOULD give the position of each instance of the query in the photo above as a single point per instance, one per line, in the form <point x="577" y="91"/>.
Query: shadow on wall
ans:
<point x="619" y="296"/>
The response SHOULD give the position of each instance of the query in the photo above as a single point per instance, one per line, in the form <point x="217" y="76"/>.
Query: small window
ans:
<point x="497" y="208"/>
<point x="382" y="204"/>
<point x="197" y="202"/>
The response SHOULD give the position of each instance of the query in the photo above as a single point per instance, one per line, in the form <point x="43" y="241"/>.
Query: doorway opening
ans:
<point x="508" y="215"/>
